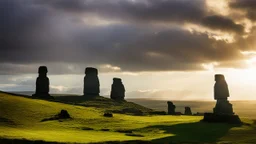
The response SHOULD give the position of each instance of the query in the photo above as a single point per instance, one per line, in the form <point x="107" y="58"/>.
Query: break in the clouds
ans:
<point x="120" y="35"/>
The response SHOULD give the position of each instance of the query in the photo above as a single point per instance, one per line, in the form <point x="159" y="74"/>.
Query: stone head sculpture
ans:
<point x="42" y="70"/>
<point x="42" y="83"/>
<point x="188" y="111"/>
<point x="169" y="103"/>
<point x="91" y="70"/>
<point x="220" y="88"/>
<point x="117" y="80"/>
<point x="91" y="82"/>
<point x="219" y="78"/>
<point x="117" y="89"/>
<point x="171" y="108"/>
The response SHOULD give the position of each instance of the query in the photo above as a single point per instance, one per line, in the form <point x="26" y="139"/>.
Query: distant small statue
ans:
<point x="171" y="108"/>
<point x="188" y="111"/>
<point x="117" y="89"/>
<point x="221" y="94"/>
<point x="42" y="83"/>
<point x="91" y="82"/>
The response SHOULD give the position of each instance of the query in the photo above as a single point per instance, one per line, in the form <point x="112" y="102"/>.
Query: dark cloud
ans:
<point x="143" y="10"/>
<point x="222" y="23"/>
<point x="52" y="33"/>
<point x="248" y="43"/>
<point x="161" y="11"/>
<point x="248" y="6"/>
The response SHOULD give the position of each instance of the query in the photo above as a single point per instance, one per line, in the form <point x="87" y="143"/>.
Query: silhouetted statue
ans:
<point x="171" y="108"/>
<point x="42" y="83"/>
<point x="188" y="111"/>
<point x="221" y="94"/>
<point x="117" y="89"/>
<point x="221" y="91"/>
<point x="223" y="111"/>
<point x="91" y="82"/>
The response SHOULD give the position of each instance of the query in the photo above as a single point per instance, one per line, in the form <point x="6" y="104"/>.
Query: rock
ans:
<point x="188" y="111"/>
<point x="108" y="114"/>
<point x="91" y="82"/>
<point x="42" y="84"/>
<point x="117" y="89"/>
<point x="171" y="108"/>
<point x="63" y="114"/>
<point x="87" y="128"/>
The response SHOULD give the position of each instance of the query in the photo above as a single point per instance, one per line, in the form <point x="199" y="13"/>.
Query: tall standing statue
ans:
<point x="42" y="83"/>
<point x="171" y="108"/>
<point x="91" y="82"/>
<point x="221" y="94"/>
<point x="117" y="89"/>
<point x="223" y="111"/>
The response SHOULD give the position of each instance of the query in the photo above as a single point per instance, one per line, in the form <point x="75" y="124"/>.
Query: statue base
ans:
<point x="43" y="96"/>
<point x="223" y="107"/>
<point x="221" y="118"/>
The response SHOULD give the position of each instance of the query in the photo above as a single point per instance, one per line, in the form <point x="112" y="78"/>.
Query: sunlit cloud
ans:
<point x="218" y="6"/>
<point x="109" y="67"/>
<point x="214" y="34"/>
<point x="210" y="66"/>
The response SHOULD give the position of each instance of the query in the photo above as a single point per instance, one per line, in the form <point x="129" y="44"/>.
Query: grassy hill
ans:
<point x="105" y="104"/>
<point x="20" y="118"/>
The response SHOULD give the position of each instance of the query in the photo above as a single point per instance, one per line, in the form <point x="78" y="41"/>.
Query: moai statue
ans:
<point x="223" y="111"/>
<point x="221" y="94"/>
<point x="171" y="108"/>
<point x="117" y="89"/>
<point x="42" y="84"/>
<point x="91" y="82"/>
<point x="188" y="111"/>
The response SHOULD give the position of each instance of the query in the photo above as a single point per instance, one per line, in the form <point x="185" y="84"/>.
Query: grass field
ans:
<point x="20" y="118"/>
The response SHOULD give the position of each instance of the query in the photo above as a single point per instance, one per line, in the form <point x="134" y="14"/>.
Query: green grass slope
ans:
<point x="20" y="118"/>
<point x="106" y="104"/>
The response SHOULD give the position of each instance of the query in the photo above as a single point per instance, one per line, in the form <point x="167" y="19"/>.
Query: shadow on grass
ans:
<point x="199" y="132"/>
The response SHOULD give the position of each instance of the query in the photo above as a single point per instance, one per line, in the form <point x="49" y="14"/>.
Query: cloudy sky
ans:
<point x="162" y="49"/>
